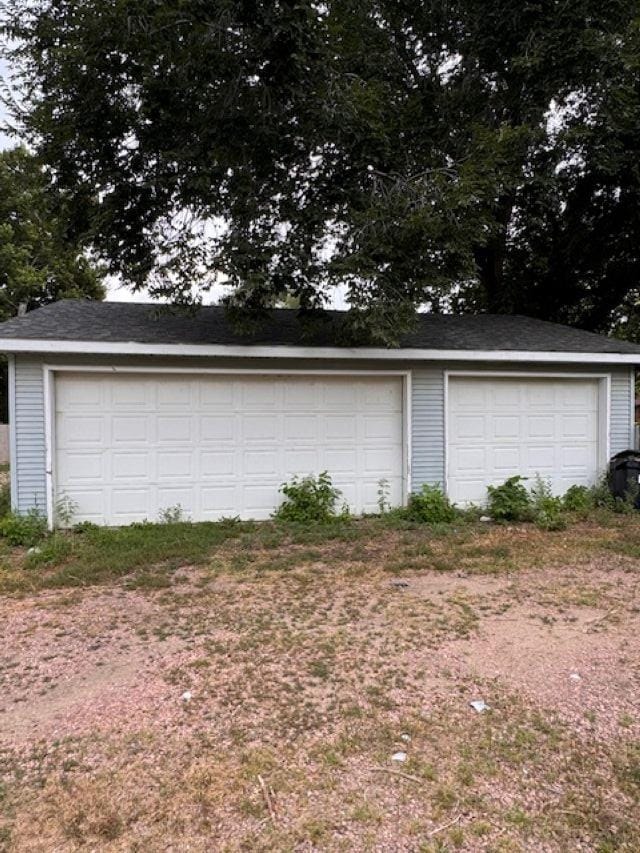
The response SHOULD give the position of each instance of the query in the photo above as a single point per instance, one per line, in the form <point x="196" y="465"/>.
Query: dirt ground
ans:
<point x="261" y="709"/>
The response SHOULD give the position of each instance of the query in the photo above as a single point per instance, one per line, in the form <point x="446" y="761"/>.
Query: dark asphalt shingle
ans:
<point x="81" y="320"/>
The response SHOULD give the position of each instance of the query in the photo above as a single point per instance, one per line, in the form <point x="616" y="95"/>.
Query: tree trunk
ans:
<point x="490" y="260"/>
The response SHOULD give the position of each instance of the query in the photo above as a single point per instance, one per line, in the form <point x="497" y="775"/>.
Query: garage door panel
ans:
<point x="218" y="429"/>
<point x="539" y="457"/>
<point x="260" y="427"/>
<point x="339" y="427"/>
<point x="217" y="463"/>
<point x="82" y="393"/>
<point x="540" y="426"/>
<point x="471" y="427"/>
<point x="301" y="428"/>
<point x="82" y="431"/>
<point x="503" y="459"/>
<point x="174" y="429"/>
<point x="130" y="466"/>
<point x="301" y="461"/>
<point x="173" y="395"/>
<point x="219" y="500"/>
<point x="215" y="394"/>
<point x="129" y="429"/>
<point x="338" y="396"/>
<point x="133" y="503"/>
<point x="577" y="457"/>
<point x="169" y="497"/>
<point x="505" y="426"/>
<point x="580" y="396"/>
<point x="259" y="394"/>
<point x="174" y="464"/>
<point x="259" y="500"/>
<point x="379" y="460"/>
<point x="467" y="459"/>
<point x="222" y="445"/>
<point x="132" y="397"/>
<point x="80" y="467"/>
<point x="526" y="427"/>
<point x="507" y="396"/>
<point x="577" y="426"/>
<point x="257" y="463"/>
<point x="302" y="396"/>
<point x="382" y="396"/>
<point x="381" y="426"/>
<point x="540" y="395"/>
<point x="92" y="502"/>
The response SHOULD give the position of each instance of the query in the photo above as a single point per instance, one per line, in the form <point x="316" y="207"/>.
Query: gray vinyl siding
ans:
<point x="29" y="435"/>
<point x="621" y="425"/>
<point x="427" y="410"/>
<point x="427" y="427"/>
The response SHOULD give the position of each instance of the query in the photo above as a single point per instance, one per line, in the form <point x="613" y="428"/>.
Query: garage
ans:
<point x="130" y="445"/>
<point x="500" y="426"/>
<point x="129" y="410"/>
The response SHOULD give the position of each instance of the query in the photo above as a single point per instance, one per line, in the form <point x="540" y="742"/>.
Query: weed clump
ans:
<point x="25" y="529"/>
<point x="511" y="501"/>
<point x="430" y="506"/>
<point x="310" y="500"/>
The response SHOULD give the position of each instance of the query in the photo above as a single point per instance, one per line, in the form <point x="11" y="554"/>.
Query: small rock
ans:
<point x="405" y="737"/>
<point x="399" y="756"/>
<point x="34" y="550"/>
<point x="485" y="518"/>
<point x="479" y="705"/>
<point x="186" y="696"/>
<point x="575" y="677"/>
<point x="400" y="584"/>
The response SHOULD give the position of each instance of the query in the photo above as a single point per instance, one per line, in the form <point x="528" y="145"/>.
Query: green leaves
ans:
<point x="456" y="155"/>
<point x="40" y="259"/>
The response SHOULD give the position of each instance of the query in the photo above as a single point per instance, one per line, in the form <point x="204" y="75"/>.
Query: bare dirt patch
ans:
<point x="256" y="704"/>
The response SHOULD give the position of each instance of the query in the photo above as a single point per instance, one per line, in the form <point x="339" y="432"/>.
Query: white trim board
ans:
<point x="279" y="352"/>
<point x="49" y="371"/>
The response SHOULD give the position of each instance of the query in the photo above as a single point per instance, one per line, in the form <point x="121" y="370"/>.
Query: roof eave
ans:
<point x="133" y="348"/>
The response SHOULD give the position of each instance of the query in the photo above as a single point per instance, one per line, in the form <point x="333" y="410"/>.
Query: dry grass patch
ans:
<point x="307" y="664"/>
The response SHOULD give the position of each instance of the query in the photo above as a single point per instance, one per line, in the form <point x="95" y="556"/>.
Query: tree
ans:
<point x="41" y="260"/>
<point x="464" y="155"/>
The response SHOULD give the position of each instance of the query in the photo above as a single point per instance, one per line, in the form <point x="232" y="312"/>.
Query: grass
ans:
<point x="147" y="554"/>
<point x="309" y="668"/>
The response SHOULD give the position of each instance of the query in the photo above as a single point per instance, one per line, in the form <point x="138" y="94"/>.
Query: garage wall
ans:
<point x="428" y="405"/>
<point x="427" y="427"/>
<point x="28" y="433"/>
<point x="427" y="413"/>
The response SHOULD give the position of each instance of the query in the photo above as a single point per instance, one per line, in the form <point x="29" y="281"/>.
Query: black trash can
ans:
<point x="624" y="475"/>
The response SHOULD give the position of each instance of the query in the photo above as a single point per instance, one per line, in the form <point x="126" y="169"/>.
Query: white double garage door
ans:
<point x="130" y="445"/>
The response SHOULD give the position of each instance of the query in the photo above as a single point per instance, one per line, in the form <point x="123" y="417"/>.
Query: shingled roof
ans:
<point x="144" y="323"/>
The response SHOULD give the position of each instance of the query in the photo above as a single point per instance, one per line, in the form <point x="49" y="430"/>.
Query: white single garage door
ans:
<point x="501" y="427"/>
<point x="130" y="445"/>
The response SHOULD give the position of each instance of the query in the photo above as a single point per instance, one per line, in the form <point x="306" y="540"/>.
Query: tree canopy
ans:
<point x="41" y="260"/>
<point x="462" y="155"/>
